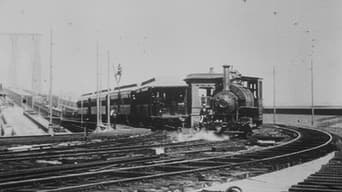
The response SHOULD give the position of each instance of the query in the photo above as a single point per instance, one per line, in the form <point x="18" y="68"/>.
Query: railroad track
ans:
<point x="307" y="145"/>
<point x="110" y="141"/>
<point x="46" y="151"/>
<point x="111" y="156"/>
<point x="23" y="165"/>
<point x="327" y="179"/>
<point x="81" y="159"/>
<point x="44" y="154"/>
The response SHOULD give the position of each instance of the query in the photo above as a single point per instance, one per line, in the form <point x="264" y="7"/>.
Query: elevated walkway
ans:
<point x="16" y="124"/>
<point x="16" y="121"/>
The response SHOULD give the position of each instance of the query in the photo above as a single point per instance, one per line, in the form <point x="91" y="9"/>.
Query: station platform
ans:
<point x="278" y="181"/>
<point x="17" y="124"/>
<point x="43" y="123"/>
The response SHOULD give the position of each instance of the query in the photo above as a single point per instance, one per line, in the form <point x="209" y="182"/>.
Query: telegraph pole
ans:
<point x="50" y="128"/>
<point x="97" y="88"/>
<point x="312" y="94"/>
<point x="82" y="111"/>
<point x="108" y="95"/>
<point x="274" y="97"/>
<point x="32" y="102"/>
<point x="117" y="76"/>
<point x="275" y="13"/>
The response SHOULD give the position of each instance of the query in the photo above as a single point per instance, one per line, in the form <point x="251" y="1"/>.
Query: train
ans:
<point x="224" y="102"/>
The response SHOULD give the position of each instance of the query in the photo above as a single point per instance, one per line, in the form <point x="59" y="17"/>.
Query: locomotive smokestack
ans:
<point x="226" y="77"/>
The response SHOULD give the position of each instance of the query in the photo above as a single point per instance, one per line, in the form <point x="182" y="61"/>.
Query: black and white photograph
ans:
<point x="170" y="95"/>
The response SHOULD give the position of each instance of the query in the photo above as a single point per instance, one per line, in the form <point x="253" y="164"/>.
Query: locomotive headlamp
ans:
<point x="222" y="103"/>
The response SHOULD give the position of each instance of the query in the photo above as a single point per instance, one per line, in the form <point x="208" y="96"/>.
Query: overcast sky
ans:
<point x="177" y="37"/>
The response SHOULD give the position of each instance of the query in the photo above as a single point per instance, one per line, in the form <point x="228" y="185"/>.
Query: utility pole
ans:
<point x="274" y="97"/>
<point x="275" y="13"/>
<point x="82" y="111"/>
<point x="97" y="88"/>
<point x="50" y="128"/>
<point x="108" y="95"/>
<point x="312" y="93"/>
<point x="32" y="102"/>
<point x="117" y="79"/>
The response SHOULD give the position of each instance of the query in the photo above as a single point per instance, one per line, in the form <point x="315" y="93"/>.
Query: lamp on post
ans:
<point x="312" y="41"/>
<point x="117" y="76"/>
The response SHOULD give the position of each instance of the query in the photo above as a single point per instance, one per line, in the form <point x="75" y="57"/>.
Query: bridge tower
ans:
<point x="34" y="51"/>
<point x="36" y="65"/>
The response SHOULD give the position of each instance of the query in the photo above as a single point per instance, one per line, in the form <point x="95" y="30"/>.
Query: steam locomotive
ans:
<point x="225" y="102"/>
<point x="232" y="103"/>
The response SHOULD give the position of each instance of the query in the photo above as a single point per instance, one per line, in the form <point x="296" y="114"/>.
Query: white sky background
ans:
<point x="178" y="37"/>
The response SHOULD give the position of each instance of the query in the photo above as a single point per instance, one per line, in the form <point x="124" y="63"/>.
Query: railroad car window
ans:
<point x="126" y="101"/>
<point x="93" y="110"/>
<point x="83" y="110"/>
<point x="204" y="95"/>
<point x="103" y="110"/>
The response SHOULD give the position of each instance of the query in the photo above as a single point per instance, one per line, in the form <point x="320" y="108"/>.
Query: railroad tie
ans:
<point x="327" y="179"/>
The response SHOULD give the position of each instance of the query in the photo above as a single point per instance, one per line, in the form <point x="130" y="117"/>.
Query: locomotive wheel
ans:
<point x="234" y="189"/>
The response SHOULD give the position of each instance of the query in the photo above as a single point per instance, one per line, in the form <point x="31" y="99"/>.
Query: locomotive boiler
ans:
<point x="230" y="103"/>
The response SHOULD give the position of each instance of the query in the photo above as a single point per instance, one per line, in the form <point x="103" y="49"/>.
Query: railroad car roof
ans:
<point x="153" y="82"/>
<point x="163" y="82"/>
<point x="104" y="93"/>
<point x="123" y="88"/>
<point x="214" y="76"/>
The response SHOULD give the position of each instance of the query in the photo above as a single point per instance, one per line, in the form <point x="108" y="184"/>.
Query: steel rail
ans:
<point x="107" y="150"/>
<point x="149" y="166"/>
<point x="90" y="185"/>
<point x="34" y="172"/>
<point x="251" y="157"/>
<point x="94" y="146"/>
